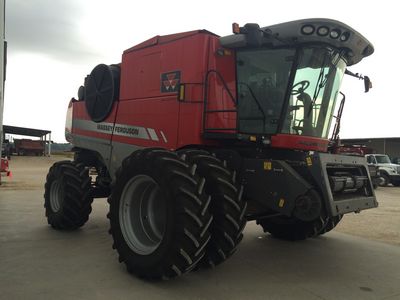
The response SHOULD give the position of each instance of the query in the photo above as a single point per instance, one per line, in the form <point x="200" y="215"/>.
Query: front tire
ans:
<point x="292" y="229"/>
<point x="159" y="214"/>
<point x="67" y="195"/>
<point x="331" y="223"/>
<point x="384" y="180"/>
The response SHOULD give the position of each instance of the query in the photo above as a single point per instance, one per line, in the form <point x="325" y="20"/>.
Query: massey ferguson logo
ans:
<point x="170" y="81"/>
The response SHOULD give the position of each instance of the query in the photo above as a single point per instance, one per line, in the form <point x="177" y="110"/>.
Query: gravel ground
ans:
<point x="380" y="224"/>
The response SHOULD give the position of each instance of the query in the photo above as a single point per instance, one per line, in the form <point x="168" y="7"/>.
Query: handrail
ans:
<point x="206" y="112"/>
<point x="223" y="82"/>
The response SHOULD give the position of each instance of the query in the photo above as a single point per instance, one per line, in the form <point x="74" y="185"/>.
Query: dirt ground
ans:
<point x="380" y="224"/>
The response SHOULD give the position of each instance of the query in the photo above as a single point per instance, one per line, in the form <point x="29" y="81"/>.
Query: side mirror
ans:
<point x="367" y="84"/>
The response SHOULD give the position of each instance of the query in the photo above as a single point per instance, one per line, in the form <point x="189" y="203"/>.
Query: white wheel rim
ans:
<point x="142" y="214"/>
<point x="56" y="194"/>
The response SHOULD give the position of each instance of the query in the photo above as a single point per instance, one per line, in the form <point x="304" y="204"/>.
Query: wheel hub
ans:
<point x="308" y="207"/>
<point x="56" y="195"/>
<point x="142" y="214"/>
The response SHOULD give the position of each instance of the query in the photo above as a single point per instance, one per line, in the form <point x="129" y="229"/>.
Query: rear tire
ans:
<point x="167" y="241"/>
<point x="227" y="206"/>
<point x="67" y="195"/>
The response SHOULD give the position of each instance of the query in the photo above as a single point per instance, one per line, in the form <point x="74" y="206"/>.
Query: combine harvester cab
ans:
<point x="193" y="134"/>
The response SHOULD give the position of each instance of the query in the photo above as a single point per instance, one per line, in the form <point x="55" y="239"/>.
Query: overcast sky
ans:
<point x="54" y="44"/>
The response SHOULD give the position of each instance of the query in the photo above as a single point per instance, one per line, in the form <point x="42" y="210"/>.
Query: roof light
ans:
<point x="345" y="36"/>
<point x="323" y="31"/>
<point x="235" y="28"/>
<point x="335" y="33"/>
<point x="307" y="29"/>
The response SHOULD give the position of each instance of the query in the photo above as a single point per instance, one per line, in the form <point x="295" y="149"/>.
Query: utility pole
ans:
<point x="2" y="64"/>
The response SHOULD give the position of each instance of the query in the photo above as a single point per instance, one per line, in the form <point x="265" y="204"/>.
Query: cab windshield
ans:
<point x="269" y="103"/>
<point x="382" y="159"/>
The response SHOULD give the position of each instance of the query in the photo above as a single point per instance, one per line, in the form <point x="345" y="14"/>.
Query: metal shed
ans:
<point x="44" y="135"/>
<point x="387" y="145"/>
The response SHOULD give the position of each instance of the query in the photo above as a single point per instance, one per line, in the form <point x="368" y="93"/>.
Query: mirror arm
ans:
<point x="356" y="75"/>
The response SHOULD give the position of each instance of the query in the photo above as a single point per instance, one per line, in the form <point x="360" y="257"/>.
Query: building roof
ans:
<point x="25" y="131"/>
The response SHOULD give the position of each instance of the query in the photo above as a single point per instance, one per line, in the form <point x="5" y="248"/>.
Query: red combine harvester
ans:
<point x="193" y="134"/>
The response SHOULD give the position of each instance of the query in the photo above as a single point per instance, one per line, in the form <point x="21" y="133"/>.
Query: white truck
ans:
<point x="389" y="172"/>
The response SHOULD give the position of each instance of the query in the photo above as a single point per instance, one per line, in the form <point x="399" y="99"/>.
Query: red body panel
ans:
<point x="289" y="141"/>
<point x="144" y="104"/>
<point x="158" y="40"/>
<point x="147" y="115"/>
<point x="81" y="121"/>
<point x="158" y="114"/>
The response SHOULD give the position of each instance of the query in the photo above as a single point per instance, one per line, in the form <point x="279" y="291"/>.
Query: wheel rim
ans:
<point x="383" y="181"/>
<point x="56" y="195"/>
<point x="142" y="214"/>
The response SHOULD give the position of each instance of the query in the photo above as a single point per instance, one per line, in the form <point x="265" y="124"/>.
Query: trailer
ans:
<point x="29" y="147"/>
